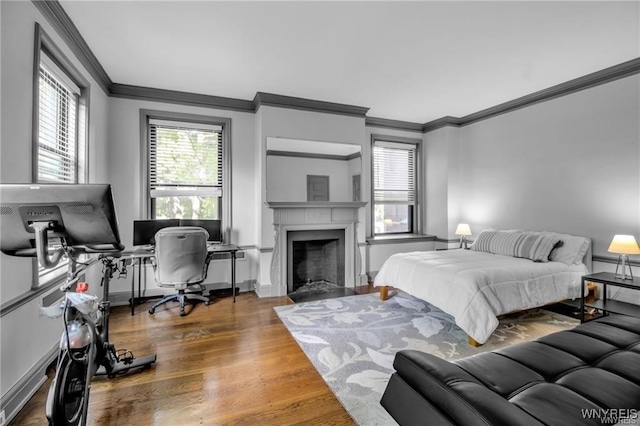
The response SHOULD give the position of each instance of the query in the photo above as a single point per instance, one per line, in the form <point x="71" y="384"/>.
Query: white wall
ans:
<point x="571" y="164"/>
<point x="442" y="174"/>
<point x="25" y="335"/>
<point x="287" y="177"/>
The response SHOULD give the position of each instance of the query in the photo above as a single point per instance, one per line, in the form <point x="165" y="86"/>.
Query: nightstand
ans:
<point x="604" y="304"/>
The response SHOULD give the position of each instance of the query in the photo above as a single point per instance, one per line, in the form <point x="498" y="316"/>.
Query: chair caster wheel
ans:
<point x="207" y="303"/>
<point x="183" y="313"/>
<point x="152" y="311"/>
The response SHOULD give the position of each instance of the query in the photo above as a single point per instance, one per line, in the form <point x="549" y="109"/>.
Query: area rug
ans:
<point x="352" y="341"/>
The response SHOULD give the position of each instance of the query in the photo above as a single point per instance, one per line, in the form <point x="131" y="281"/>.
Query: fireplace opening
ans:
<point x="315" y="260"/>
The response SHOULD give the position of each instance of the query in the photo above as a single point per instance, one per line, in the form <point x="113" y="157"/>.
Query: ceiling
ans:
<point x="413" y="61"/>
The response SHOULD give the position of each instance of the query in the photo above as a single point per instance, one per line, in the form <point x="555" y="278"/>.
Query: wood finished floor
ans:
<point x="222" y="364"/>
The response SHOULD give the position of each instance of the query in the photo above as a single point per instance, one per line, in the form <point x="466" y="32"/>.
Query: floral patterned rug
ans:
<point x="352" y="341"/>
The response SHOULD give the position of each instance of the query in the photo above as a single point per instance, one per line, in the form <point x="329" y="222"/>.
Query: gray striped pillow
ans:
<point x="498" y="242"/>
<point x="529" y="245"/>
<point x="536" y="246"/>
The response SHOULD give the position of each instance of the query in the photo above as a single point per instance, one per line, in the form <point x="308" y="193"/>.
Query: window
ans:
<point x="188" y="167"/>
<point x="60" y="98"/>
<point x="58" y="158"/>
<point x="394" y="186"/>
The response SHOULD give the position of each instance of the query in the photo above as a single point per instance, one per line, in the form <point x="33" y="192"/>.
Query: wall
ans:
<point x="287" y="177"/>
<point x="442" y="174"/>
<point x="571" y="165"/>
<point x="27" y="337"/>
<point x="126" y="156"/>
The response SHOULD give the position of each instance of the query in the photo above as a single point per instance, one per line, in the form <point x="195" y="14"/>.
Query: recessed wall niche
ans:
<point x="290" y="161"/>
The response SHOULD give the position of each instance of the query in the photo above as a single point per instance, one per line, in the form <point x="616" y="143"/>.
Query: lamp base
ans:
<point x="463" y="242"/>
<point x="623" y="260"/>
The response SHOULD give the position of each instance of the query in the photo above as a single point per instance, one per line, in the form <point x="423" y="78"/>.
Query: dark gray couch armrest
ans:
<point x="455" y="393"/>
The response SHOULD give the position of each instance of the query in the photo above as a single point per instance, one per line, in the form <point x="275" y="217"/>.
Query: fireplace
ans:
<point x="327" y="232"/>
<point x="315" y="258"/>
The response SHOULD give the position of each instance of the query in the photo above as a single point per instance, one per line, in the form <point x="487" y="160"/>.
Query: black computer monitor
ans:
<point x="144" y="231"/>
<point x="213" y="227"/>
<point x="81" y="215"/>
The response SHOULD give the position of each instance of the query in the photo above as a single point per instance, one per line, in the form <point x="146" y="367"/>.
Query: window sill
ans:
<point x="399" y="239"/>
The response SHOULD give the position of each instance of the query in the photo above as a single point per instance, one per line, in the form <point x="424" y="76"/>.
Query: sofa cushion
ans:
<point x="569" y="377"/>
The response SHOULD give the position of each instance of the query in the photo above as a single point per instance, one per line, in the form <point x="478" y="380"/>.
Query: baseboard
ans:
<point x="20" y="393"/>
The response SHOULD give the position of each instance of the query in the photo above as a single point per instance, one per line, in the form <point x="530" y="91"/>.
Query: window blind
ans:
<point x="185" y="159"/>
<point x="394" y="170"/>
<point x="57" y="125"/>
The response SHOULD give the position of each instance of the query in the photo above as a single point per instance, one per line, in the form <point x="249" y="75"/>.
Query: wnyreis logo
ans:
<point x="613" y="416"/>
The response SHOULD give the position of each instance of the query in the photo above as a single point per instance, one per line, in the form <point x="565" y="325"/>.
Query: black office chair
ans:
<point x="181" y="261"/>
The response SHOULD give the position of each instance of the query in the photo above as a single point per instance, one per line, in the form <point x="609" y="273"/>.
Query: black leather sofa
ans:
<point x="587" y="375"/>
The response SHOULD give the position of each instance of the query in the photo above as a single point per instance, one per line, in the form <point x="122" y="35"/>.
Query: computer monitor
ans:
<point x="79" y="214"/>
<point x="213" y="227"/>
<point x="144" y="231"/>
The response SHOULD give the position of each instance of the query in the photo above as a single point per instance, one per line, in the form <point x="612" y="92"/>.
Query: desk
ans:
<point x="141" y="256"/>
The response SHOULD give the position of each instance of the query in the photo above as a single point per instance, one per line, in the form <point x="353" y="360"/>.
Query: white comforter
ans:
<point x="475" y="287"/>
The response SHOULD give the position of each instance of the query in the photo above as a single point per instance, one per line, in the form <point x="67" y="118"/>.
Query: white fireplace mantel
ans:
<point x="314" y="215"/>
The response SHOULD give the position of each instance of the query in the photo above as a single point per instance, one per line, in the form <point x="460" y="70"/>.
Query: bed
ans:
<point x="502" y="272"/>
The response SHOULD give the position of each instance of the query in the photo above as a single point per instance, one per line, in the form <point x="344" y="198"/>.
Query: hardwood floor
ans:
<point x="222" y="364"/>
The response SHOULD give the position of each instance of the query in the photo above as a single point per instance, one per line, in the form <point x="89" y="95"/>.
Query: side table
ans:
<point x="605" y="304"/>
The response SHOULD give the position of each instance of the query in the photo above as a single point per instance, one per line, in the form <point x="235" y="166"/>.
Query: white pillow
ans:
<point x="572" y="251"/>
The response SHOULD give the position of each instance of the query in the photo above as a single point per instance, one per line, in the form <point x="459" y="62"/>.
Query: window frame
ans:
<point x="44" y="45"/>
<point x="416" y="213"/>
<point x="148" y="115"/>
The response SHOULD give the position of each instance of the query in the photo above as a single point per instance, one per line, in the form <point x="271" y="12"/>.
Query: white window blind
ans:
<point x="185" y="169"/>
<point x="57" y="125"/>
<point x="394" y="166"/>
<point x="185" y="160"/>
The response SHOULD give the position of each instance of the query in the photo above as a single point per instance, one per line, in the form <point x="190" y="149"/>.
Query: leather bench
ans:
<point x="587" y="375"/>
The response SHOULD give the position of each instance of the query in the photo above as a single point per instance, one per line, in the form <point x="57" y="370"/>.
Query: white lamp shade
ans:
<point x="624" y="244"/>
<point x="463" y="229"/>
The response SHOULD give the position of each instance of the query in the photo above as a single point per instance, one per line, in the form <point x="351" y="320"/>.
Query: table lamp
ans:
<point x="623" y="245"/>
<point x="463" y="230"/>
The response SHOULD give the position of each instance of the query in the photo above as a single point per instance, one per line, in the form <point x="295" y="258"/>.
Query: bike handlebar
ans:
<point x="42" y="246"/>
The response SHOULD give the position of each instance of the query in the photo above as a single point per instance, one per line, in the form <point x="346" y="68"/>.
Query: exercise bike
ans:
<point x="82" y="219"/>
<point x="85" y="350"/>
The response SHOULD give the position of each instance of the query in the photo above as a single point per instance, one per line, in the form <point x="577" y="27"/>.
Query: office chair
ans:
<point x="181" y="261"/>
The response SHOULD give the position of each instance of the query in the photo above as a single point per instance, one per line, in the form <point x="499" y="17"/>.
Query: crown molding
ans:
<point x="64" y="26"/>
<point x="58" y="18"/>
<point x="270" y="99"/>
<point x="441" y="122"/>
<point x="597" y="78"/>
<point x="393" y="124"/>
<point x="185" y="98"/>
